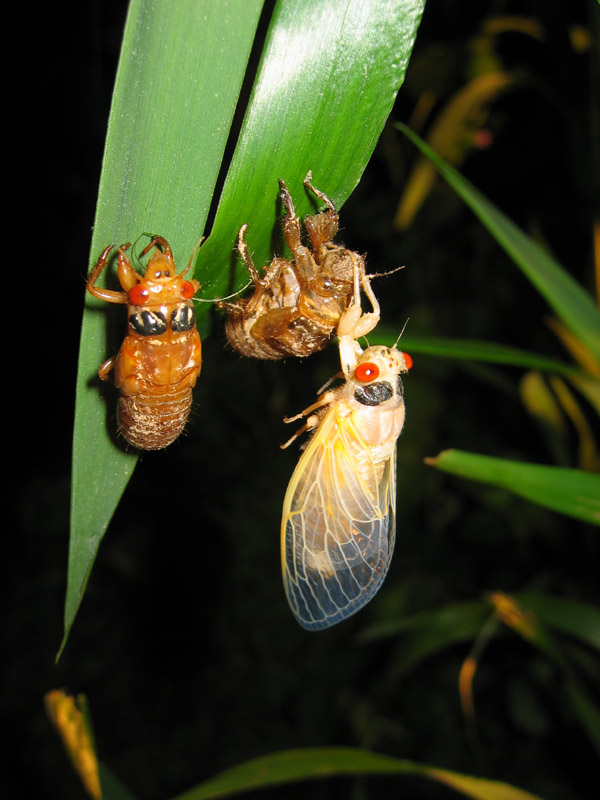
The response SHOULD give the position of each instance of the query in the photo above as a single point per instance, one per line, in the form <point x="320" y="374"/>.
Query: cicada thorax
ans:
<point x="297" y="304"/>
<point x="375" y="395"/>
<point x="160" y="358"/>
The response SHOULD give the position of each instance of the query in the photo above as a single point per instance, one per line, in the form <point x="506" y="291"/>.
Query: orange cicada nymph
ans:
<point x="160" y="358"/>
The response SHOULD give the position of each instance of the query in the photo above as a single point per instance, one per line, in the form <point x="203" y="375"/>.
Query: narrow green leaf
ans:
<point x="586" y="709"/>
<point x="429" y="632"/>
<point x="311" y="763"/>
<point x="479" y="788"/>
<point x="570" y="302"/>
<point x="325" y="86"/>
<point x="475" y="350"/>
<point x="569" y="491"/>
<point x="181" y="68"/>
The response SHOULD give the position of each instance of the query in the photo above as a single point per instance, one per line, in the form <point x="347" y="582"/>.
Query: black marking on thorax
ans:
<point x="148" y="323"/>
<point x="183" y="318"/>
<point x="154" y="323"/>
<point x="373" y="394"/>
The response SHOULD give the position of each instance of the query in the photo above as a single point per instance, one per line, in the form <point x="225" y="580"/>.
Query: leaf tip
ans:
<point x="432" y="461"/>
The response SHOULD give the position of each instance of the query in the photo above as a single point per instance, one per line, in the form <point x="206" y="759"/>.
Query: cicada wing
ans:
<point x="338" y="525"/>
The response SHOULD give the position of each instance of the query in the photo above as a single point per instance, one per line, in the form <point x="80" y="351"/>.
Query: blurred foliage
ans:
<point x="185" y="646"/>
<point x="69" y="718"/>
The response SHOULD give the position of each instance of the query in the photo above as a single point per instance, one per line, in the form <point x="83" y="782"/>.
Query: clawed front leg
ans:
<point x="104" y="294"/>
<point x="321" y="227"/>
<point x="355" y="323"/>
<point x="261" y="284"/>
<point x="352" y="325"/>
<point x="242" y="248"/>
<point x="303" y="259"/>
<point x="291" y="223"/>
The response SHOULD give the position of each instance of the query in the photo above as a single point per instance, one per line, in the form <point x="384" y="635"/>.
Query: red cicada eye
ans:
<point x="187" y="290"/>
<point x="407" y="360"/>
<point x="366" y="372"/>
<point x="138" y="295"/>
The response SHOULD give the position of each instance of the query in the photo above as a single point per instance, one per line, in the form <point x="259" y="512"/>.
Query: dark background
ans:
<point x="184" y="644"/>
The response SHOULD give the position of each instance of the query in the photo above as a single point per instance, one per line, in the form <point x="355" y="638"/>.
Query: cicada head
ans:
<point x="376" y="378"/>
<point x="160" y="283"/>
<point x="380" y="363"/>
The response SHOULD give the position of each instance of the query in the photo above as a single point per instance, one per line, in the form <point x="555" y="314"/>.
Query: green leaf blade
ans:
<point x="290" y="766"/>
<point x="477" y="350"/>
<point x="570" y="302"/>
<point x="325" y="86"/>
<point x="179" y="76"/>
<point x="569" y="491"/>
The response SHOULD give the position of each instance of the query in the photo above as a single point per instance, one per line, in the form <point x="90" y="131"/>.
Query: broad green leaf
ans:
<point x="325" y="87"/>
<point x="571" y="303"/>
<point x="180" y="72"/>
<point x="290" y="766"/>
<point x="569" y="491"/>
<point x="326" y="83"/>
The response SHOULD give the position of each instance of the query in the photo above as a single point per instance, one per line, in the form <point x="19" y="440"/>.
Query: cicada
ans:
<point x="296" y="305"/>
<point x="161" y="355"/>
<point x="338" y="522"/>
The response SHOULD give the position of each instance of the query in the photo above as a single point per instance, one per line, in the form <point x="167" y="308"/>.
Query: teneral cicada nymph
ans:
<point x="160" y="358"/>
<point x="296" y="306"/>
<point x="338" y="522"/>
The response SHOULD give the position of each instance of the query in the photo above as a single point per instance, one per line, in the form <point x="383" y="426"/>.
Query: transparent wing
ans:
<point x="338" y="525"/>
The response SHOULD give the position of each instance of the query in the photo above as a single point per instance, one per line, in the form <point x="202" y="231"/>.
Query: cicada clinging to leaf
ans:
<point x="338" y="523"/>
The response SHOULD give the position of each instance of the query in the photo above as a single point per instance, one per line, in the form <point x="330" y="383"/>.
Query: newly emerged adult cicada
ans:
<point x="160" y="358"/>
<point x="338" y="523"/>
<point x="296" y="305"/>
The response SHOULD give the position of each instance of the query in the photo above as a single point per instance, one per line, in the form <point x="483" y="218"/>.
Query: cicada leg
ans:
<point x="304" y="263"/>
<point x="104" y="294"/>
<point x="312" y="420"/>
<point x="354" y="322"/>
<point x="106" y="368"/>
<point x="190" y="262"/>
<point x="158" y="241"/>
<point x="261" y="285"/>
<point x="321" y="227"/>
<point x="128" y="277"/>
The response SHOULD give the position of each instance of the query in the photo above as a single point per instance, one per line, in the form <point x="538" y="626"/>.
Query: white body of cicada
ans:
<point x="338" y="524"/>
